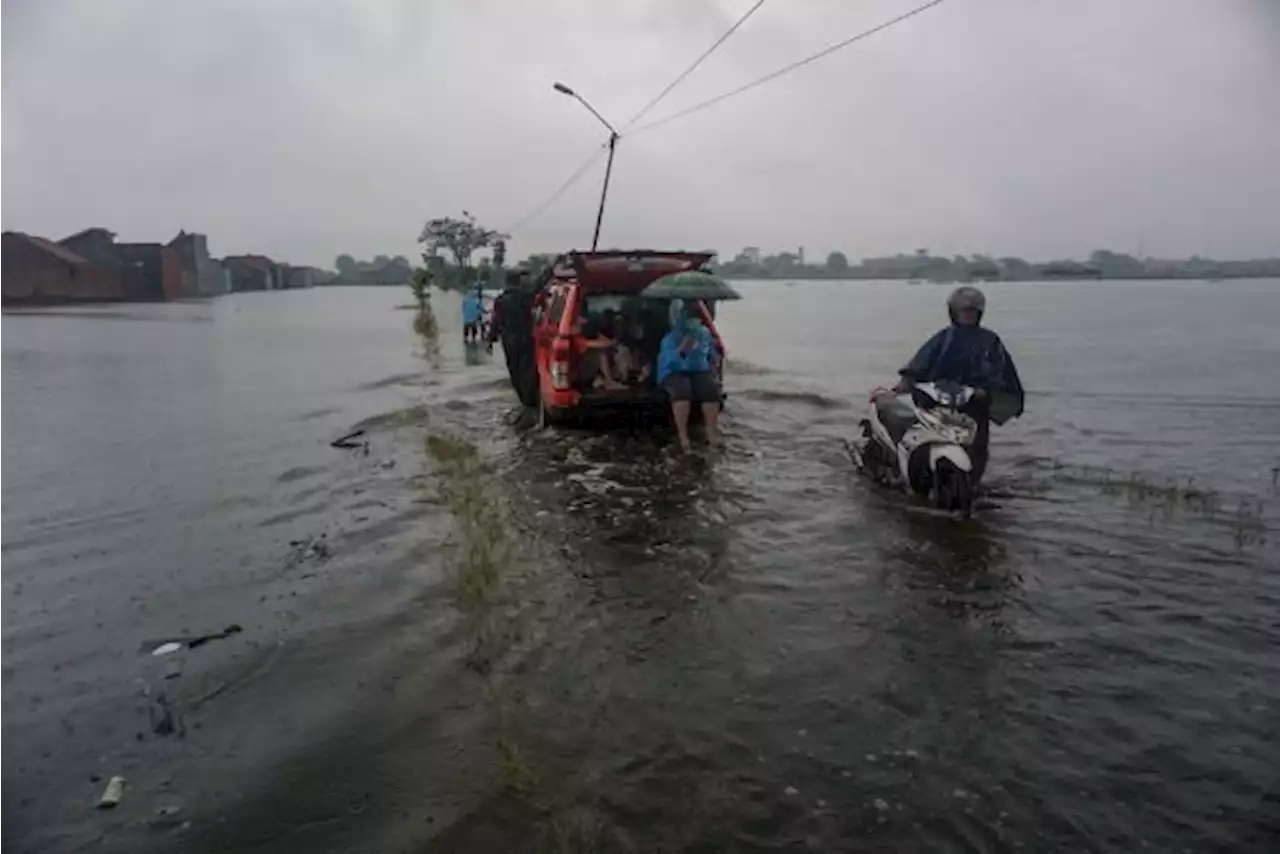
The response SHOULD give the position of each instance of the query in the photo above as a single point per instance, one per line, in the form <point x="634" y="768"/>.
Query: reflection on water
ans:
<point x="743" y="650"/>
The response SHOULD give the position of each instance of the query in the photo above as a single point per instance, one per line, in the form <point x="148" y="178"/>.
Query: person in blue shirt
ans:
<point x="472" y="313"/>
<point x="968" y="353"/>
<point x="686" y="372"/>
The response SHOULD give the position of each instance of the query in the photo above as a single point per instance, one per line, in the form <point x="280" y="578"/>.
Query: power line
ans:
<point x="787" y="68"/>
<point x="560" y="191"/>
<point x="674" y="83"/>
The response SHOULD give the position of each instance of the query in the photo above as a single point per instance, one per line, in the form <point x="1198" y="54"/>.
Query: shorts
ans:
<point x="696" y="388"/>
<point x="470" y="329"/>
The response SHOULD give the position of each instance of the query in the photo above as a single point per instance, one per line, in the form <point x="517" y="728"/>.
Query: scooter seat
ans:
<point x="897" y="416"/>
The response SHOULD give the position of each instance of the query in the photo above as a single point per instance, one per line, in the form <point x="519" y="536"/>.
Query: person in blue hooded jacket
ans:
<point x="472" y="313"/>
<point x="686" y="371"/>
<point x="968" y="353"/>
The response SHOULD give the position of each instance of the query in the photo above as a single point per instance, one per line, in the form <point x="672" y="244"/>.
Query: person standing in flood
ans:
<point x="472" y="312"/>
<point x="686" y="362"/>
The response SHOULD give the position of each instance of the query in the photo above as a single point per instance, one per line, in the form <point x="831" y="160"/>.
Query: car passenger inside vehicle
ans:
<point x="622" y="334"/>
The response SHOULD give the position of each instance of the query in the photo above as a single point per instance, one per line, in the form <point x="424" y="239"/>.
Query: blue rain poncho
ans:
<point x="694" y="361"/>
<point x="472" y="308"/>
<point x="973" y="356"/>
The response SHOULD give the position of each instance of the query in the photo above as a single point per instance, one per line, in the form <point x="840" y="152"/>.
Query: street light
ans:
<point x="608" y="169"/>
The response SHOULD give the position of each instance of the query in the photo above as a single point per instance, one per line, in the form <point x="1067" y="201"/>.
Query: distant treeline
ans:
<point x="382" y="270"/>
<point x="750" y="263"/>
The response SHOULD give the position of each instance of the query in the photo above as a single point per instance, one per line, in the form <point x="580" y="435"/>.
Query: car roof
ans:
<point x="622" y="271"/>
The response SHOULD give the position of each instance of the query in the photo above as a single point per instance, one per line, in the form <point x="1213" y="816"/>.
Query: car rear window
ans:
<point x="595" y="305"/>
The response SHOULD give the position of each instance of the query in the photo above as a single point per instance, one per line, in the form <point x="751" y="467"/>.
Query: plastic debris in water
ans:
<point x="881" y="804"/>
<point x="791" y="790"/>
<point x="112" y="794"/>
<point x="166" y="648"/>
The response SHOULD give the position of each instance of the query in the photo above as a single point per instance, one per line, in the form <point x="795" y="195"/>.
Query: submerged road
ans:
<point x="463" y="635"/>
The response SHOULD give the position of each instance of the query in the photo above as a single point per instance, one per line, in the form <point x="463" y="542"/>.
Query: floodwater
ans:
<point x="462" y="635"/>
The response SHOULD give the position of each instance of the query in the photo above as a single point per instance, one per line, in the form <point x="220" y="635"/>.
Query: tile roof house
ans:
<point x="36" y="270"/>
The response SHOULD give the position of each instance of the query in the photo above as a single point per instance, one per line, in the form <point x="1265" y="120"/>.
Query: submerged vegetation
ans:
<point x="1242" y="516"/>
<point x="424" y="316"/>
<point x="493" y="594"/>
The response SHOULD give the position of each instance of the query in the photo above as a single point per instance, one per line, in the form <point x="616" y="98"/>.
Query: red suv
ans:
<point x="578" y="293"/>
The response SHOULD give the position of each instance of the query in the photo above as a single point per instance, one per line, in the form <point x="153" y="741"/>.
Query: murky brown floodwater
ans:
<point x="475" y="637"/>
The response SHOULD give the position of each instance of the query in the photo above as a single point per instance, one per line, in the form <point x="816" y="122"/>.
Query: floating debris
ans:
<point x="791" y="791"/>
<point x="112" y="795"/>
<point x="881" y="804"/>
<point x="348" y="441"/>
<point x="161" y="648"/>
<point x="163" y="720"/>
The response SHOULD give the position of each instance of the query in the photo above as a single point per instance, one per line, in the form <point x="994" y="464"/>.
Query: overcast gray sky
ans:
<point x="301" y="128"/>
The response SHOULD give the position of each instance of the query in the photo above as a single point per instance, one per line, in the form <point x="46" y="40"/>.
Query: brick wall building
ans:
<point x="36" y="270"/>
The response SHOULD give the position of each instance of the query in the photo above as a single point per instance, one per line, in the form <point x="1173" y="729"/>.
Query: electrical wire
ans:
<point x="560" y="191"/>
<point x="674" y="83"/>
<point x="786" y="69"/>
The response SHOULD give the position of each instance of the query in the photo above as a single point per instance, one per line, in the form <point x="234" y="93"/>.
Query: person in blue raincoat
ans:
<point x="472" y="313"/>
<point x="968" y="353"/>
<point x="686" y="372"/>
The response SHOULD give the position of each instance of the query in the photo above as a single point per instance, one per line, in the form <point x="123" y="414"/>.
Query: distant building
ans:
<point x="301" y="277"/>
<point x="149" y="271"/>
<point x="93" y="244"/>
<point x="252" y="272"/>
<point x="36" y="270"/>
<point x="152" y="271"/>
<point x="201" y="275"/>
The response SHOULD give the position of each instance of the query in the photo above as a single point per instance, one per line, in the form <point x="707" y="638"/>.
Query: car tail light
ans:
<point x="560" y="379"/>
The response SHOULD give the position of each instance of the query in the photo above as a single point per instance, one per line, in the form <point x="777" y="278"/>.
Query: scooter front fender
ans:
<point x="955" y="454"/>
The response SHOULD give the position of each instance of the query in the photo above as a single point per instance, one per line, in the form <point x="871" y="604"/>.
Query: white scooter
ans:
<point x="922" y="442"/>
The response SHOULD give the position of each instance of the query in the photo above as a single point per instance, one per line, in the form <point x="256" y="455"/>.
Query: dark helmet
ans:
<point x="966" y="297"/>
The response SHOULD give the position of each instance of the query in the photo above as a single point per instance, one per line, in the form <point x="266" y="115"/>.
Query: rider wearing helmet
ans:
<point x="968" y="353"/>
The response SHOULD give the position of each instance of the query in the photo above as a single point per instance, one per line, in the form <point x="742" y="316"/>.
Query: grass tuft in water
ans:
<point x="483" y="538"/>
<point x="491" y="594"/>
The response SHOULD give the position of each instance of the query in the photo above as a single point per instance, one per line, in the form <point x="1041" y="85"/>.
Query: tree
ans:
<point x="419" y="284"/>
<point x="537" y="263"/>
<point x="345" y="264"/>
<point x="1116" y="264"/>
<point x="380" y="261"/>
<point x="499" y="253"/>
<point x="837" y="262"/>
<point x="460" y="238"/>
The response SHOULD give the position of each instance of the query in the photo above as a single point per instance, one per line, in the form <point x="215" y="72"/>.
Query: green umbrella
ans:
<point x="691" y="285"/>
